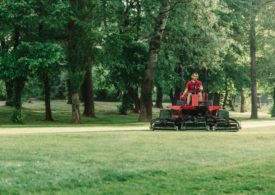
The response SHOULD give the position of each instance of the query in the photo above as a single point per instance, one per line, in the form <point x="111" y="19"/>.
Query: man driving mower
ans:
<point x="193" y="87"/>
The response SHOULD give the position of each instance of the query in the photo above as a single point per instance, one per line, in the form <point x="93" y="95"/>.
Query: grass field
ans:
<point x="139" y="163"/>
<point x="106" y="113"/>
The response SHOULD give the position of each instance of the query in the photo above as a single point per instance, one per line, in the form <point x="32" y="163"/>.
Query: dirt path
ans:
<point x="40" y="130"/>
<point x="10" y="131"/>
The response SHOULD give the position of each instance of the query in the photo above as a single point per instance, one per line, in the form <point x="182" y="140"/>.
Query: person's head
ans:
<point x="195" y="76"/>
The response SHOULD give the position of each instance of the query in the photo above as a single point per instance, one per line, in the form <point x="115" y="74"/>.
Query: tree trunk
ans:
<point x="78" y="60"/>
<point x="69" y="91"/>
<point x="138" y="6"/>
<point x="206" y="80"/>
<point x="13" y="87"/>
<point x="225" y="99"/>
<point x="242" y="110"/>
<point x="17" y="93"/>
<point x="47" y="93"/>
<point x="226" y="95"/>
<point x="46" y="81"/>
<point x="177" y="94"/>
<point x="273" y="109"/>
<point x="16" y="37"/>
<point x="155" y="42"/>
<point x="171" y="95"/>
<point x="19" y="84"/>
<point x="174" y="95"/>
<point x="133" y="94"/>
<point x="216" y="99"/>
<point x="231" y="103"/>
<point x="9" y="92"/>
<point x="87" y="94"/>
<point x="75" y="108"/>
<point x="8" y="83"/>
<point x="159" y="97"/>
<point x="252" y="39"/>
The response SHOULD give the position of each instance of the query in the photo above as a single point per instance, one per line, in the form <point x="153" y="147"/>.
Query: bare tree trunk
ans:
<point x="159" y="97"/>
<point x="174" y="95"/>
<point x="19" y="84"/>
<point x="242" y="110"/>
<point x="74" y="33"/>
<point x="75" y="108"/>
<point x="273" y="109"/>
<point x="88" y="94"/>
<point x="47" y="93"/>
<point x="206" y="81"/>
<point x="133" y="94"/>
<point x="252" y="39"/>
<point x="171" y="96"/>
<point x="9" y="92"/>
<point x="155" y="42"/>
<point x="216" y="99"/>
<point x="69" y="91"/>
<point x="177" y="94"/>
<point x="138" y="18"/>
<point x="136" y="101"/>
<point x="231" y="103"/>
<point x="226" y="94"/>
<point x="16" y="37"/>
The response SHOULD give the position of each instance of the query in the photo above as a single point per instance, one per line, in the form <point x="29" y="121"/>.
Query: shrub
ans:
<point x="126" y="105"/>
<point x="105" y="95"/>
<point x="17" y="116"/>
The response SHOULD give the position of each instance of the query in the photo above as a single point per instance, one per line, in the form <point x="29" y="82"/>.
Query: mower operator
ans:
<point x="193" y="87"/>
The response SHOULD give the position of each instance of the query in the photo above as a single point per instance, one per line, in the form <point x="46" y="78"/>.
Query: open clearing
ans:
<point x="139" y="162"/>
<point x="114" y="154"/>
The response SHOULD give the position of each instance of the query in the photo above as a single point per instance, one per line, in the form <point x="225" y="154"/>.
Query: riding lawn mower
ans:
<point x="199" y="115"/>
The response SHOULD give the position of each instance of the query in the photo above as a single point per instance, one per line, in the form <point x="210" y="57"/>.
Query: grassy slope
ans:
<point x="139" y="163"/>
<point x="106" y="115"/>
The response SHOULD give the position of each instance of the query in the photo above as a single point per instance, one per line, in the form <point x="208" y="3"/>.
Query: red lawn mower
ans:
<point x="199" y="115"/>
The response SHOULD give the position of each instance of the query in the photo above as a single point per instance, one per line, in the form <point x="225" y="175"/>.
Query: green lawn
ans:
<point x="139" y="163"/>
<point x="106" y="113"/>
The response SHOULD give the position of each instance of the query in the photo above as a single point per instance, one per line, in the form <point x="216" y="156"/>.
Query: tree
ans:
<point x="32" y="24"/>
<point x="16" y="17"/>
<point x="125" y="48"/>
<point x="155" y="42"/>
<point x="44" y="59"/>
<point x="196" y="39"/>
<point x="80" y="45"/>
<point x="87" y="94"/>
<point x="252" y="41"/>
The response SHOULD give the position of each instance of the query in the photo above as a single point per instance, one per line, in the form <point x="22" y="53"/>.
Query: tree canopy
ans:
<point x="134" y="51"/>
